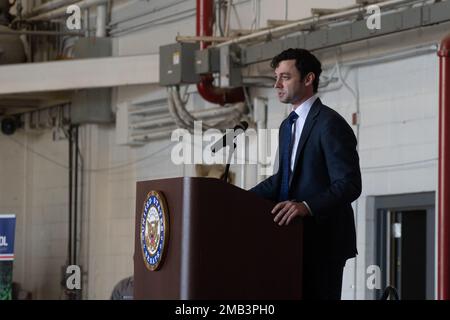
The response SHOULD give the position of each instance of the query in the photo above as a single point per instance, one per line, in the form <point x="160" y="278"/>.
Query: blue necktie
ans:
<point x="286" y="137"/>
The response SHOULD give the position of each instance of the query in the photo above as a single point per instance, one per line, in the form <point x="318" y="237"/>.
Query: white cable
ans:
<point x="181" y="107"/>
<point x="227" y="18"/>
<point x="186" y="119"/>
<point x="173" y="111"/>
<point x="253" y="25"/>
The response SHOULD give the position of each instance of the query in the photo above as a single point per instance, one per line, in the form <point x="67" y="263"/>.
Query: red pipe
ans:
<point x="204" y="26"/>
<point x="444" y="171"/>
<point x="205" y="87"/>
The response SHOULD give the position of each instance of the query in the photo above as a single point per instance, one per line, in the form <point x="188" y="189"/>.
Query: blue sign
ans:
<point x="7" y="232"/>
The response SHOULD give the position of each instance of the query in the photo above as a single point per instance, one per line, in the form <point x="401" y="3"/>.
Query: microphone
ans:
<point x="229" y="137"/>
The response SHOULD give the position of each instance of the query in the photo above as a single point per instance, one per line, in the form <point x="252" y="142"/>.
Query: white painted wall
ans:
<point x="111" y="174"/>
<point x="398" y="141"/>
<point x="35" y="189"/>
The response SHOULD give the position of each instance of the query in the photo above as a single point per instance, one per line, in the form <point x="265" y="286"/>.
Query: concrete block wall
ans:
<point x="398" y="140"/>
<point x="111" y="175"/>
<point x="33" y="186"/>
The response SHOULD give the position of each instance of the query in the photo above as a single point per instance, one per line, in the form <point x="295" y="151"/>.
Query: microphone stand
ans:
<point x="227" y="167"/>
<point x="225" y="141"/>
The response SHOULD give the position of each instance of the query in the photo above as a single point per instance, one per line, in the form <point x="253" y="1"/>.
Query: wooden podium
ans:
<point x="222" y="244"/>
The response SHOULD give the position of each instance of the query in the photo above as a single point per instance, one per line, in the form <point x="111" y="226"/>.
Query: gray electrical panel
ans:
<point x="207" y="61"/>
<point x="177" y="64"/>
<point x="86" y="48"/>
<point x="91" y="106"/>
<point x="230" y="68"/>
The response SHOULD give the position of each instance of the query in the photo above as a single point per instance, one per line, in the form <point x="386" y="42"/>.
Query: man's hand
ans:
<point x="287" y="210"/>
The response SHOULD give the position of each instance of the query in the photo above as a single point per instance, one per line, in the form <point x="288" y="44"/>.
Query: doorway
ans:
<point x="405" y="244"/>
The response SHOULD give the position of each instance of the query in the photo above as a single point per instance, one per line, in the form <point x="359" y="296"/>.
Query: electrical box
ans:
<point x="230" y="66"/>
<point x="177" y="64"/>
<point x="91" y="106"/>
<point x="86" y="48"/>
<point x="207" y="61"/>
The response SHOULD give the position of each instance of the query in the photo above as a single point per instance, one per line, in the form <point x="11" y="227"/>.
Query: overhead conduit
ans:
<point x="205" y="87"/>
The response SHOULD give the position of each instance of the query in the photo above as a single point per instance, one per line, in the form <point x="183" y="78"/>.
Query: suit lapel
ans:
<point x="310" y="121"/>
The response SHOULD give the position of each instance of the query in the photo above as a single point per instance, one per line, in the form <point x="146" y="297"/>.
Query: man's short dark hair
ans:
<point x="305" y="62"/>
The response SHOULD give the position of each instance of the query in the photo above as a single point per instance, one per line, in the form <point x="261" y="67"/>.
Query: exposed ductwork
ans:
<point x="444" y="171"/>
<point x="206" y="87"/>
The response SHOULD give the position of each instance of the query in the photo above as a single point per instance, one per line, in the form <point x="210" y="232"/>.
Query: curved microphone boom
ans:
<point x="229" y="137"/>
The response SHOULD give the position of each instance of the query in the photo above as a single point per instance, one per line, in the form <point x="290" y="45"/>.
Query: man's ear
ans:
<point x="309" y="79"/>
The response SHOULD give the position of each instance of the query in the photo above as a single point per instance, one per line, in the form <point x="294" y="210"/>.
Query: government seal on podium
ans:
<point x="154" y="229"/>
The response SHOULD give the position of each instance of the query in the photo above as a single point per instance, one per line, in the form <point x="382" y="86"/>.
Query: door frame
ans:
<point x="377" y="207"/>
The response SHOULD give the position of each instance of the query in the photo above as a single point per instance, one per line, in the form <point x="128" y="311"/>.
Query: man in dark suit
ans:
<point x="318" y="176"/>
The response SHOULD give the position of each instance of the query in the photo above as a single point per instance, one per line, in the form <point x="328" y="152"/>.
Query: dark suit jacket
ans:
<point x="327" y="177"/>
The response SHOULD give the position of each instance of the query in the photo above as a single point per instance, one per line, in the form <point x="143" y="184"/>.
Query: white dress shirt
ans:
<point x="302" y="111"/>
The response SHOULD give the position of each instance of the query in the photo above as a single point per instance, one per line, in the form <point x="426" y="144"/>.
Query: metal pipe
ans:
<point x="42" y="33"/>
<point x="61" y="12"/>
<point x="101" y="21"/>
<point x="154" y="110"/>
<point x="144" y="13"/>
<point x="199" y="114"/>
<point x="204" y="21"/>
<point x="152" y="135"/>
<point x="221" y="96"/>
<point x="48" y="6"/>
<point x="86" y="16"/>
<point x="80" y="219"/>
<point x="69" y="249"/>
<point x="444" y="171"/>
<point x="75" y="200"/>
<point x="196" y="39"/>
<point x="297" y="26"/>
<point x="204" y="27"/>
